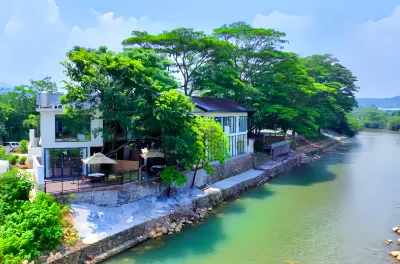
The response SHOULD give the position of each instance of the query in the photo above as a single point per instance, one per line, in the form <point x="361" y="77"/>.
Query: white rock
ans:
<point x="209" y="209"/>
<point x="395" y="253"/>
<point x="389" y="241"/>
<point x="395" y="229"/>
<point x="159" y="234"/>
<point x="170" y="233"/>
<point x="173" y="225"/>
<point x="179" y="226"/>
<point x="177" y="229"/>
<point x="398" y="257"/>
<point x="164" y="230"/>
<point x="158" y="229"/>
<point x="189" y="222"/>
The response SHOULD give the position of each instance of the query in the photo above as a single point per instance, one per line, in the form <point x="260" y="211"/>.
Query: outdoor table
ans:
<point x="97" y="176"/>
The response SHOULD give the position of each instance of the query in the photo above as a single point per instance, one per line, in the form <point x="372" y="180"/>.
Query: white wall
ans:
<point x="48" y="135"/>
<point x="34" y="152"/>
<point x="199" y="112"/>
<point x="38" y="170"/>
<point x="4" y="166"/>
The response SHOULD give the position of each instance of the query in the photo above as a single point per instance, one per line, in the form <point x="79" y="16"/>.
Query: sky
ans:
<point x="363" y="34"/>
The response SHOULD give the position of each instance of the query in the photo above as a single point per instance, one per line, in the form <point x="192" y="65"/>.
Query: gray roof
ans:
<point x="219" y="105"/>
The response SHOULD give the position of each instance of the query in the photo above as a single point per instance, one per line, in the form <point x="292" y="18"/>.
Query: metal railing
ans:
<point x="78" y="183"/>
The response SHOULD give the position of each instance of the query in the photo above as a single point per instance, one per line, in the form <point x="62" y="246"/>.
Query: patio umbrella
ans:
<point x="98" y="158"/>
<point x="151" y="154"/>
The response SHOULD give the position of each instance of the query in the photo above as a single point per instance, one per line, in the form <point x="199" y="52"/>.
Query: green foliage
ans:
<point x="23" y="146"/>
<point x="189" y="49"/>
<point x="3" y="153"/>
<point x="355" y="124"/>
<point x="170" y="175"/>
<point x="393" y="123"/>
<point x="371" y="117"/>
<point x="118" y="87"/>
<point x="13" y="159"/>
<point x="22" y="160"/>
<point x="26" y="227"/>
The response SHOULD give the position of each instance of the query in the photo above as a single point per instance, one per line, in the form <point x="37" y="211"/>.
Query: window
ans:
<point x="243" y="124"/>
<point x="69" y="130"/>
<point x="65" y="162"/>
<point x="218" y="119"/>
<point x="231" y="122"/>
<point x="241" y="144"/>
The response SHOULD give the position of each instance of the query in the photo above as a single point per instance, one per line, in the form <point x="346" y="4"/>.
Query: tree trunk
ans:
<point x="195" y="173"/>
<point x="293" y="134"/>
<point x="169" y="190"/>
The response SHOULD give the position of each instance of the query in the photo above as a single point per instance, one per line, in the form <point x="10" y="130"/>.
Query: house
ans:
<point x="63" y="141"/>
<point x="232" y="116"/>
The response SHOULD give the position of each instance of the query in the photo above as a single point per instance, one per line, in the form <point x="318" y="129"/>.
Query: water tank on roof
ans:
<point x="45" y="99"/>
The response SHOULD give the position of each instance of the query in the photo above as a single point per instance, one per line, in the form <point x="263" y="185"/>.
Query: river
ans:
<point x="338" y="210"/>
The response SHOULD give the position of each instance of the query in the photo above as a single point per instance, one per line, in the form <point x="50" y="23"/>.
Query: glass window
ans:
<point x="65" y="162"/>
<point x="231" y="122"/>
<point x="243" y="124"/>
<point x="69" y="130"/>
<point x="241" y="144"/>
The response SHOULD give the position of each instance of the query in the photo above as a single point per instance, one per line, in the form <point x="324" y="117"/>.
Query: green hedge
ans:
<point x="22" y="160"/>
<point x="23" y="146"/>
<point x="26" y="227"/>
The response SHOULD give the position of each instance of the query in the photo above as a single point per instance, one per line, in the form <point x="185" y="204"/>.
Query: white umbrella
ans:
<point x="151" y="154"/>
<point x="98" y="158"/>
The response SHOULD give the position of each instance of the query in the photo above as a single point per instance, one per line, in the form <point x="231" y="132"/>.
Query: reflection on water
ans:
<point x="339" y="210"/>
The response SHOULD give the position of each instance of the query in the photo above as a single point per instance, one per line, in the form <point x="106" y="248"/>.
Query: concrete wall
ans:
<point x="118" y="195"/>
<point x="127" y="164"/>
<point x="4" y="166"/>
<point x="48" y="135"/>
<point x="38" y="171"/>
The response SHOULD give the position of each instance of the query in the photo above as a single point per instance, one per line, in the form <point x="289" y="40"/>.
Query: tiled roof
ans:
<point x="219" y="105"/>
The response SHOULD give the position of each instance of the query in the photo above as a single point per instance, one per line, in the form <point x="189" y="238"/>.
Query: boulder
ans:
<point x="25" y="262"/>
<point x="389" y="241"/>
<point x="395" y="229"/>
<point x="159" y="234"/>
<point x="158" y="229"/>
<point x="209" y="209"/>
<point x="173" y="225"/>
<point x="395" y="253"/>
<point x="179" y="226"/>
<point x="170" y="233"/>
<point x="164" y="230"/>
<point x="189" y="222"/>
<point x="398" y="257"/>
<point x="177" y="229"/>
<point x="398" y="231"/>
<point x="171" y="230"/>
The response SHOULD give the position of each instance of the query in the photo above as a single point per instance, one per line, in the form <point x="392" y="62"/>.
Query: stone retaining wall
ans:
<point x="110" y="246"/>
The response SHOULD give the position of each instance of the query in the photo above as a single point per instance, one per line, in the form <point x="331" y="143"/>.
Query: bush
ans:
<point x="22" y="160"/>
<point x="23" y="146"/>
<point x="259" y="146"/>
<point x="3" y="153"/>
<point x="13" y="159"/>
<point x="26" y="227"/>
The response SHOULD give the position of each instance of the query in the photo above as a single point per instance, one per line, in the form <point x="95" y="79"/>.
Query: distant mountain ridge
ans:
<point x="4" y="88"/>
<point x="393" y="102"/>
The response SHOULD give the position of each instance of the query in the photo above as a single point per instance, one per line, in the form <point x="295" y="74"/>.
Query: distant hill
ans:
<point x="4" y="88"/>
<point x="393" y="102"/>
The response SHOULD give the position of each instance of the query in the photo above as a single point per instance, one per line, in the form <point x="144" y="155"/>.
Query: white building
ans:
<point x="63" y="141"/>
<point x="231" y="115"/>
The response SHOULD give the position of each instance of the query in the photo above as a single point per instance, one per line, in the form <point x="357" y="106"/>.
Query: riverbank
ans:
<point x="164" y="214"/>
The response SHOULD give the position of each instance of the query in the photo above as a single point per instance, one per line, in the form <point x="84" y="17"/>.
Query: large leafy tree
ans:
<point x="44" y="84"/>
<point x="187" y="48"/>
<point x="115" y="87"/>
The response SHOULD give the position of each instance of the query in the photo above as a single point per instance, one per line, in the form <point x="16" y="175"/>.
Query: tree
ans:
<point x="393" y="123"/>
<point x="189" y="50"/>
<point x="115" y="87"/>
<point x="44" y="84"/>
<point x="212" y="144"/>
<point x="170" y="175"/>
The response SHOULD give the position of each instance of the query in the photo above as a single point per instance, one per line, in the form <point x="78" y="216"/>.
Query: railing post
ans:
<point x="62" y="185"/>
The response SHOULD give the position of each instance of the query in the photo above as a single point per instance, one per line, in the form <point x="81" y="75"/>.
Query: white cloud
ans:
<point x="34" y="40"/>
<point x="110" y="31"/>
<point x="297" y="28"/>
<point x="371" y="50"/>
<point x="11" y="27"/>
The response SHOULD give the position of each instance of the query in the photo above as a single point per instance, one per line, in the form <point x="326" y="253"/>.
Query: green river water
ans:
<point x="338" y="210"/>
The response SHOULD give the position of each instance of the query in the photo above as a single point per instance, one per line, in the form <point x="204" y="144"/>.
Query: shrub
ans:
<point x="23" y="146"/>
<point x="13" y="159"/>
<point x="22" y="160"/>
<point x="26" y="227"/>
<point x="3" y="153"/>
<point x="259" y="146"/>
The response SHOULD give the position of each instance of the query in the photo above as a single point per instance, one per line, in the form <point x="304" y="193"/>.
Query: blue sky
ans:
<point x="364" y="35"/>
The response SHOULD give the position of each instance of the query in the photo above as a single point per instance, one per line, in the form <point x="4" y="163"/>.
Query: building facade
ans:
<point x="232" y="116"/>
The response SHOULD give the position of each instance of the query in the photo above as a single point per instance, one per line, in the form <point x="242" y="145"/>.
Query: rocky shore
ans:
<point x="175" y="213"/>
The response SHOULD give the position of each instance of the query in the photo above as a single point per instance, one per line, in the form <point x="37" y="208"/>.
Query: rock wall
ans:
<point x="118" y="195"/>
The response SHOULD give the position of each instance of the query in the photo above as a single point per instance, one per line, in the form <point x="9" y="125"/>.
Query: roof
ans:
<point x="219" y="105"/>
